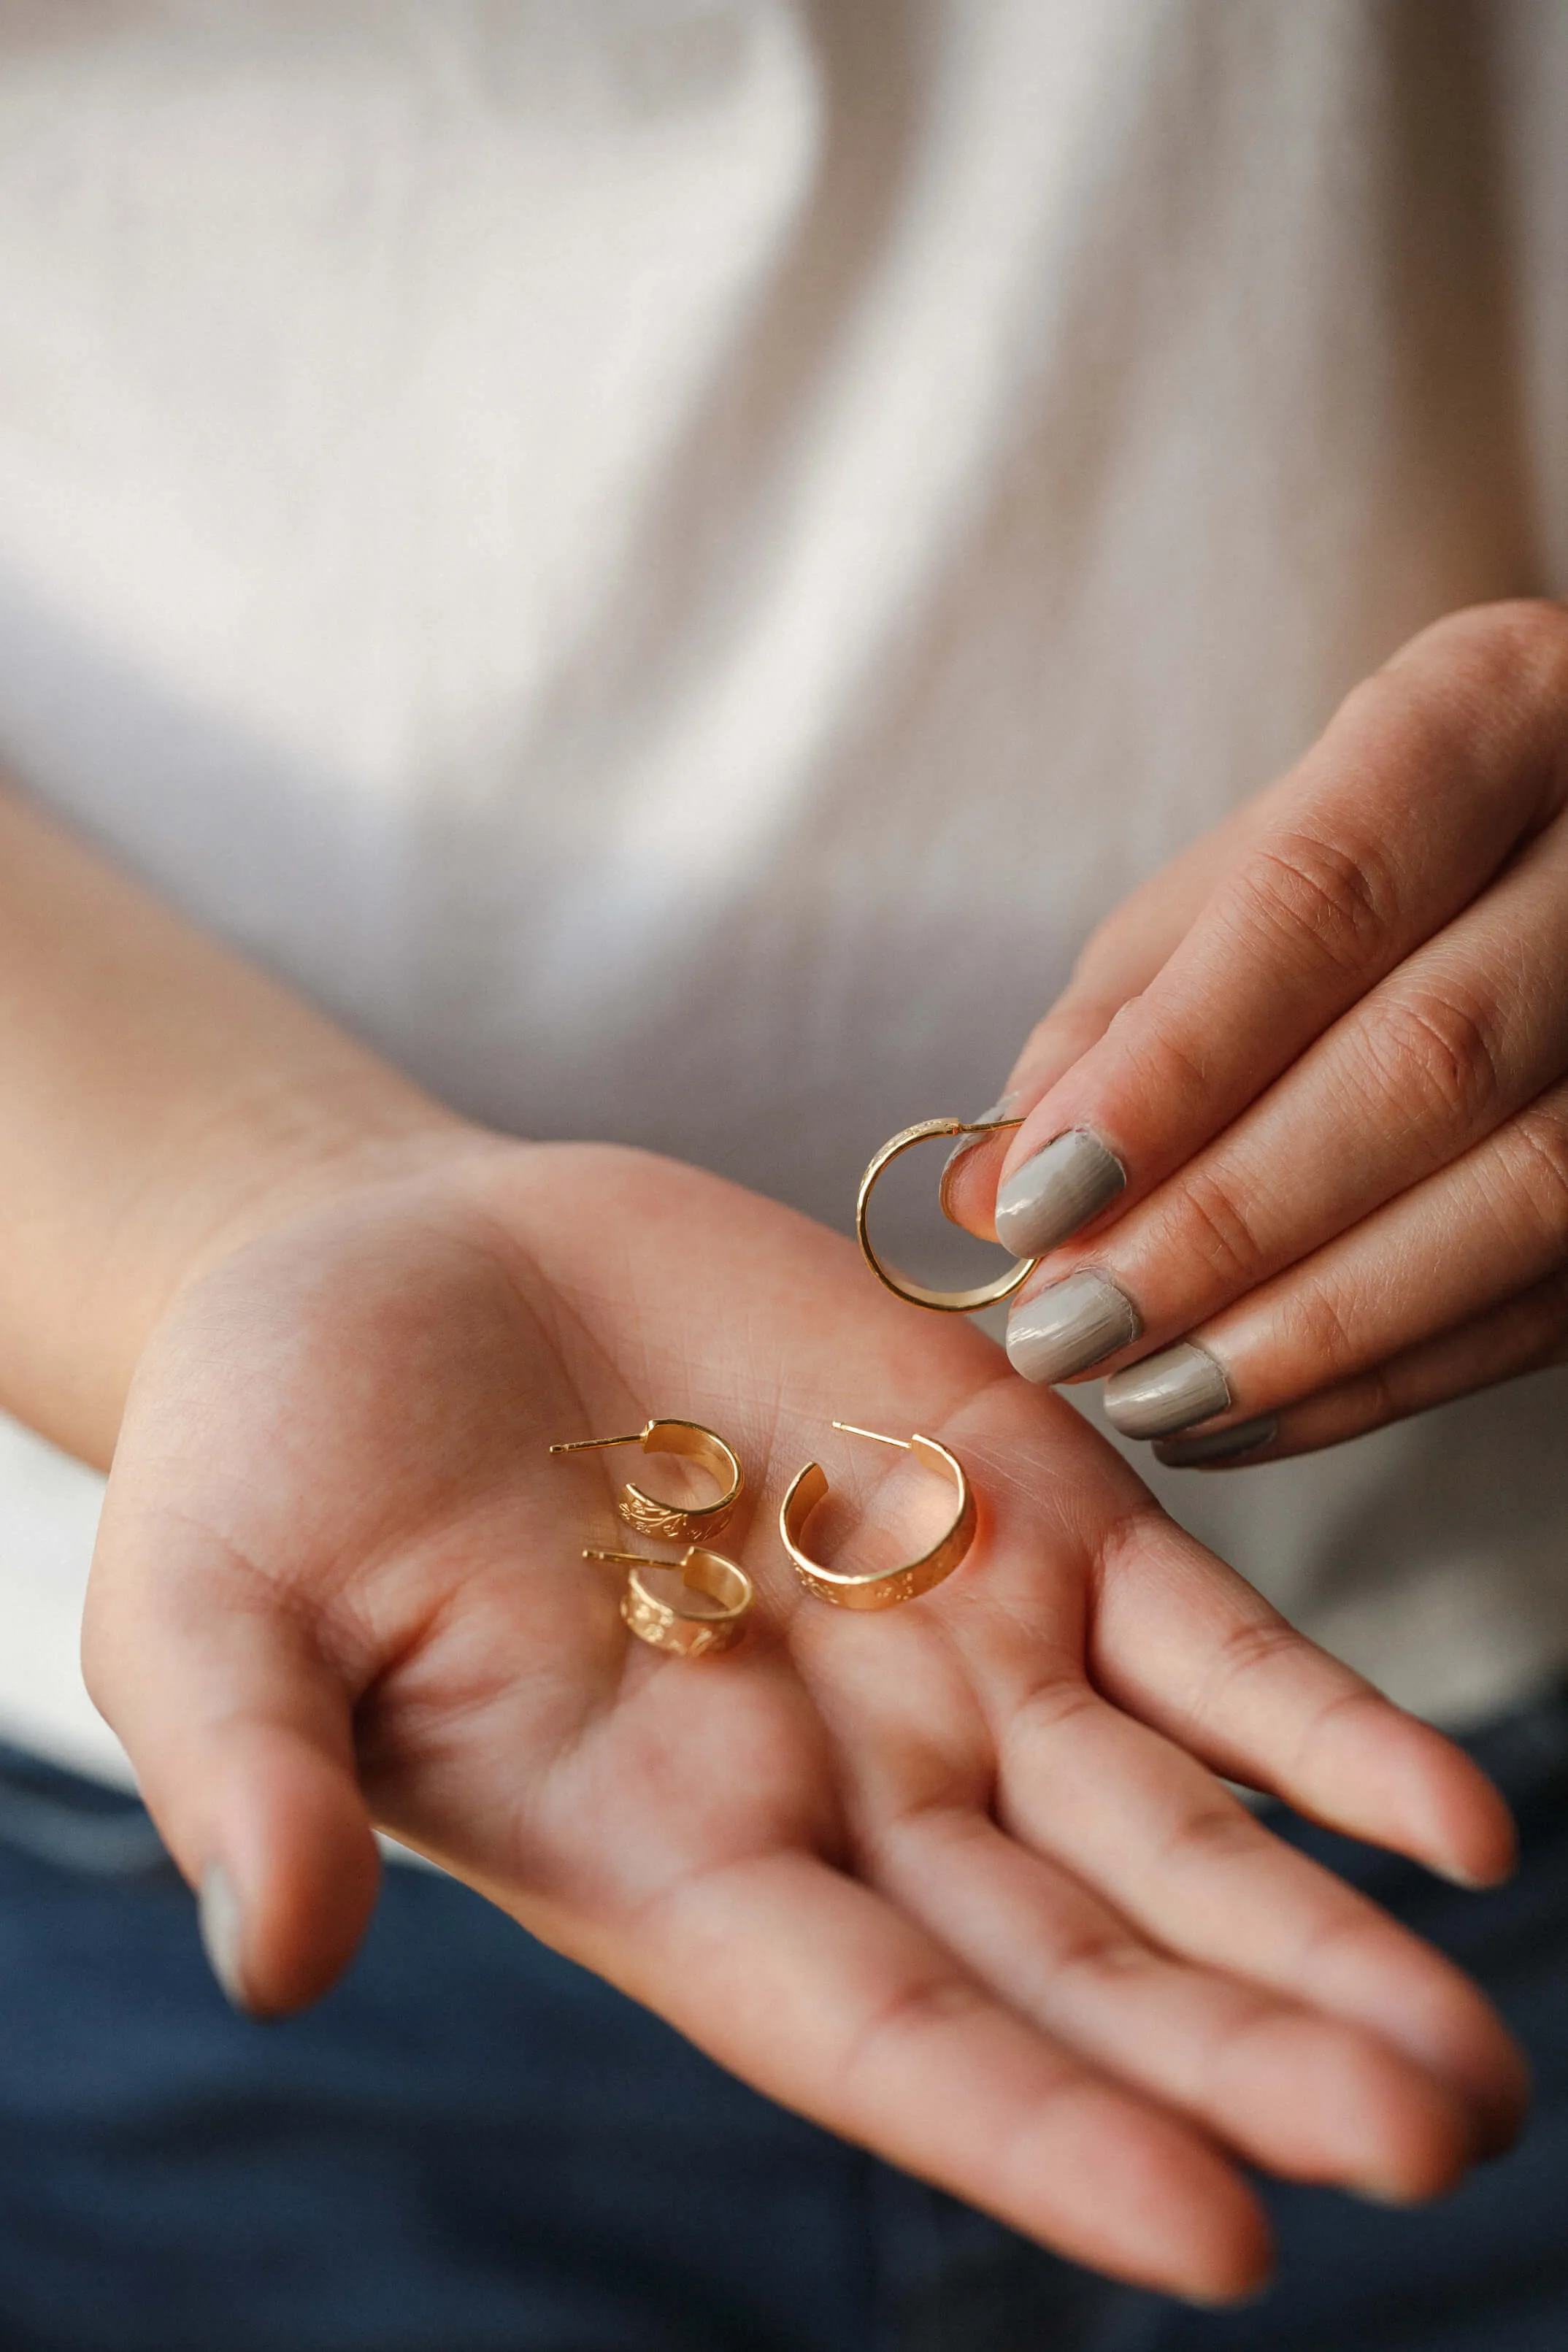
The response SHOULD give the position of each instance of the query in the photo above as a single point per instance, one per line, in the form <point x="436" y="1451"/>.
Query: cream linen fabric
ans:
<point x="666" y="559"/>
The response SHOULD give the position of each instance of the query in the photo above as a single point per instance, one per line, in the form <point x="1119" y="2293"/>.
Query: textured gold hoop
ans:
<point x="941" y="1302"/>
<point x="688" y="1634"/>
<point x="677" y="1522"/>
<point x="886" y="1590"/>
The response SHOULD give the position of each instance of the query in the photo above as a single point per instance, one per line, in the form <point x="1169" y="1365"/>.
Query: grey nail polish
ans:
<point x="1003" y="1107"/>
<point x="1166" y="1392"/>
<point x="1219" y="1444"/>
<point x="222" y="1927"/>
<point x="1057" y="1191"/>
<point x="1069" y="1326"/>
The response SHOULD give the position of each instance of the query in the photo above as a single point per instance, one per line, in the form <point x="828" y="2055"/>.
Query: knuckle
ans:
<point x="1054" y="1704"/>
<point x="1218" y="1230"/>
<point x="909" y="2015"/>
<point x="1316" y="1328"/>
<point x="1219" y="1833"/>
<point x="1325" y="896"/>
<point x="1493" y="675"/>
<point x="1382" y="1392"/>
<point x="1255" y="1644"/>
<point x="1246" y="1649"/>
<point x="1516" y="644"/>
<point x="1539" y="1143"/>
<point x="1098" y="1952"/>
<point x="1163" y="1066"/>
<point x="1437" y="1060"/>
<point x="1521" y="643"/>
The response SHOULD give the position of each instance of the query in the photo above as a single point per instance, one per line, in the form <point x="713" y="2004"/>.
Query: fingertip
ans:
<point x="288" y="1892"/>
<point x="1467" y="2059"/>
<point x="1231" y="2262"/>
<point x="1418" y="2134"/>
<point x="1462" y="1827"/>
<point x="968" y="1187"/>
<point x="1181" y="2219"/>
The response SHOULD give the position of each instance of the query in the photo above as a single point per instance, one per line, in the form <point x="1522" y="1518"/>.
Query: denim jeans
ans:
<point x="471" y="2145"/>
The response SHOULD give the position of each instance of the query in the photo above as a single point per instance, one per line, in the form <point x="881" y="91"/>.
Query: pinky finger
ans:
<point x="1526" y="1334"/>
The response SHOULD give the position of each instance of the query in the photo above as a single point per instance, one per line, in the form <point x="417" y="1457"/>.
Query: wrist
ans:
<point x="163" y="1097"/>
<point x="259" y="1156"/>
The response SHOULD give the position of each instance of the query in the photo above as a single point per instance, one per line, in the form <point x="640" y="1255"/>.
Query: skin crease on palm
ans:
<point x="958" y="1880"/>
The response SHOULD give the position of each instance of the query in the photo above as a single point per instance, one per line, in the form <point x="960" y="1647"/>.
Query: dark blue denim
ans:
<point x="473" y="2146"/>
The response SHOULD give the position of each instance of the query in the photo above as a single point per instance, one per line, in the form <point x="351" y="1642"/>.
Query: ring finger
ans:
<point x="1448" y="1251"/>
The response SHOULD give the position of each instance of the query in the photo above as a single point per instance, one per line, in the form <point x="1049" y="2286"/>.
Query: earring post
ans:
<point x="630" y="1559"/>
<point x="592" y="1444"/>
<point x="851" y="1429"/>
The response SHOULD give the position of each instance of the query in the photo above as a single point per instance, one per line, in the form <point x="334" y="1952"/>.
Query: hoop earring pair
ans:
<point x="665" y="1624"/>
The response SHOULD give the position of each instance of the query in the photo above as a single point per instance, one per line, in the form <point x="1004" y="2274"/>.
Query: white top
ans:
<point x="666" y="559"/>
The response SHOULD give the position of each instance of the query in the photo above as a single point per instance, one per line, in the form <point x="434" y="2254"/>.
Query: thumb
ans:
<point x="240" y="1731"/>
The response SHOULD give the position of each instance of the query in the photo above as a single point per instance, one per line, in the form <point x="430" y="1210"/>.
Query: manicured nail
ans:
<point x="1069" y="1326"/>
<point x="1056" y="1191"/>
<point x="1166" y="1392"/>
<point x="1464" y="1879"/>
<point x="1238" y="2301"/>
<point x="1001" y="1109"/>
<point x="1219" y="1444"/>
<point x="1386" y="2192"/>
<point x="223" y="1932"/>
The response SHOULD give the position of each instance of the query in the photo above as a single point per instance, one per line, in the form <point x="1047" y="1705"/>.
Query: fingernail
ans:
<point x="1056" y="1191"/>
<point x="1166" y="1392"/>
<point x="223" y="1933"/>
<point x="1386" y="2192"/>
<point x="1003" y="1107"/>
<point x="1219" y="1444"/>
<point x="1071" y="1325"/>
<point x="1237" y="2300"/>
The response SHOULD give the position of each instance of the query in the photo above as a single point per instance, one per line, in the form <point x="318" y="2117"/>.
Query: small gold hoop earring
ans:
<point x="886" y="1589"/>
<point x="941" y="1302"/>
<point x="677" y="1522"/>
<point x="689" y="1633"/>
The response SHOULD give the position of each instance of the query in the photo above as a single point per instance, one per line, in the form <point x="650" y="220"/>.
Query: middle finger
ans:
<point x="1464" y="1032"/>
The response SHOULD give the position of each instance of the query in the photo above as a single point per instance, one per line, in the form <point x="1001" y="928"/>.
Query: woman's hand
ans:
<point x="958" y="1880"/>
<point x="1304" y="1110"/>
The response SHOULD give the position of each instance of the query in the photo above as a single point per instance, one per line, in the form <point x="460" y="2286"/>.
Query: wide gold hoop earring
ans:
<point x="688" y="1632"/>
<point x="941" y="1302"/>
<point x="677" y="1522"/>
<point x="892" y="1585"/>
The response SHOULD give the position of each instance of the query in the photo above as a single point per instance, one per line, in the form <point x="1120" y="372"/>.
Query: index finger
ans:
<point x="1424" y="783"/>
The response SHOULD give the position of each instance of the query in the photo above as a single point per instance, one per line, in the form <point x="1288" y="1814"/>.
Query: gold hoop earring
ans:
<point x="941" y="1302"/>
<point x="689" y="1633"/>
<point x="679" y="1523"/>
<point x="890" y="1586"/>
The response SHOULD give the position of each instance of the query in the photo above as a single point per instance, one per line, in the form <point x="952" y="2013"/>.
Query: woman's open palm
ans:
<point x="958" y="1879"/>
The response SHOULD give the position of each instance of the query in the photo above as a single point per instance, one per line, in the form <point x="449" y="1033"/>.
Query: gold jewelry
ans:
<point x="679" y="1523"/>
<point x="886" y="1590"/>
<point x="689" y="1633"/>
<point x="943" y="1302"/>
